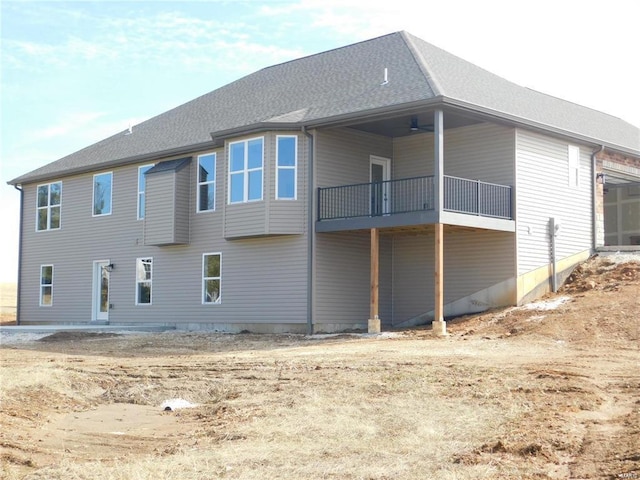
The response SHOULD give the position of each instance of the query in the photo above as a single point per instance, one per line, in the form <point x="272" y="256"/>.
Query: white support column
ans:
<point x="439" y="325"/>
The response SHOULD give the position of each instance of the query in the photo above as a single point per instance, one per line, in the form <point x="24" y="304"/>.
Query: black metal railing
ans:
<point x="374" y="199"/>
<point x="412" y="195"/>
<point x="478" y="198"/>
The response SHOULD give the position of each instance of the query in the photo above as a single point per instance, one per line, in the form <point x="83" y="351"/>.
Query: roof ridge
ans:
<point x="311" y="55"/>
<point x="422" y="64"/>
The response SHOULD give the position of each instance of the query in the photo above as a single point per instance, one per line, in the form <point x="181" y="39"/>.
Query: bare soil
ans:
<point x="550" y="390"/>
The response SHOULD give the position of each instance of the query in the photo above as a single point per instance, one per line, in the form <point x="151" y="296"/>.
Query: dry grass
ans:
<point x="8" y="303"/>
<point x="514" y="394"/>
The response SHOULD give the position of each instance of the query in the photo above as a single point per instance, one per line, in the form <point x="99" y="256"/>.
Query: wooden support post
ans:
<point x="439" y="325"/>
<point x="374" y="319"/>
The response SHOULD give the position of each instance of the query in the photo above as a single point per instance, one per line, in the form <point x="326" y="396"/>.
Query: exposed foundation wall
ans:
<point x="537" y="282"/>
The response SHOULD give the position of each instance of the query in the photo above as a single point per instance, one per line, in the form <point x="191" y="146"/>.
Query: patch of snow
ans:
<point x="16" y="338"/>
<point x="177" y="403"/>
<point x="382" y="335"/>
<point x="546" y="304"/>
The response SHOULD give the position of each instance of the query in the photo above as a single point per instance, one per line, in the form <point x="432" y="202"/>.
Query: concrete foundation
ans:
<point x="374" y="325"/>
<point x="439" y="328"/>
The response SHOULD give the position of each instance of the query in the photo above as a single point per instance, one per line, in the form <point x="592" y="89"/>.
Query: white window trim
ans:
<point x="287" y="167"/>
<point x="245" y="172"/>
<point x="204" y="279"/>
<point x="48" y="207"/>
<point x="150" y="281"/>
<point x="93" y="196"/>
<point x="46" y="285"/>
<point x="140" y="192"/>
<point x="573" y="165"/>
<point x="199" y="183"/>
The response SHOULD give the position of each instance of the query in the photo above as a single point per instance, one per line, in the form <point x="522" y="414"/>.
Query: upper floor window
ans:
<point x="574" y="166"/>
<point x="287" y="165"/>
<point x="144" y="278"/>
<point x="48" y="206"/>
<point x="102" y="186"/>
<point x="206" y="182"/>
<point x="142" y="183"/>
<point x="245" y="170"/>
<point x="46" y="285"/>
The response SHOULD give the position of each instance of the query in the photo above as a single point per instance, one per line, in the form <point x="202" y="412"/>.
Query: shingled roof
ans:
<point x="340" y="84"/>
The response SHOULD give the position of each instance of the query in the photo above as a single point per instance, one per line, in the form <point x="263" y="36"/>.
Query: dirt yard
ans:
<point x="547" y="391"/>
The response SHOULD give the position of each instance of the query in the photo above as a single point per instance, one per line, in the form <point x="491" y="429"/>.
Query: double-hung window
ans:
<point x="206" y="182"/>
<point x="102" y="187"/>
<point x="49" y="200"/>
<point x="144" y="279"/>
<point x="46" y="285"/>
<point x="245" y="170"/>
<point x="142" y="184"/>
<point x="287" y="165"/>
<point x="211" y="278"/>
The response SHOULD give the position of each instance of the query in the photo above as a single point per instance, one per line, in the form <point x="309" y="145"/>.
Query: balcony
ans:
<point x="411" y="201"/>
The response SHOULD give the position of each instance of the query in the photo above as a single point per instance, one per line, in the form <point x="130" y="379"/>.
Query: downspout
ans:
<point x="594" y="195"/>
<point x="19" y="255"/>
<point x="310" y="232"/>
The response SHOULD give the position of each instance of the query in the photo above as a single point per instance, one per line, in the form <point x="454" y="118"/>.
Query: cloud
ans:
<point x="66" y="124"/>
<point x="186" y="41"/>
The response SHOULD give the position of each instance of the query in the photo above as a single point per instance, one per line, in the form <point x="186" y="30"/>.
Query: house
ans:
<point x="386" y="183"/>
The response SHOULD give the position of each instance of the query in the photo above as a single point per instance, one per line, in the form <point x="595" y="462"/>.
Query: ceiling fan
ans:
<point x="416" y="127"/>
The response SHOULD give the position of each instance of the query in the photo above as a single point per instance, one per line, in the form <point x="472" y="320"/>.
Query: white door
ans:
<point x="380" y="174"/>
<point x="100" y="291"/>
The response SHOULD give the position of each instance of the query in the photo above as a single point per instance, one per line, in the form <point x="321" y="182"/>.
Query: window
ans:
<point x="49" y="198"/>
<point x="142" y="183"/>
<point x="211" y="278"/>
<point x="206" y="182"/>
<point x="245" y="170"/>
<point x="574" y="166"/>
<point x="46" y="285"/>
<point x="287" y="158"/>
<point x="102" y="184"/>
<point x="144" y="272"/>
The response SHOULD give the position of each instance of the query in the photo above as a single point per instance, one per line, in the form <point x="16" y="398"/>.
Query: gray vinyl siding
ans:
<point x="167" y="210"/>
<point x="342" y="278"/>
<point x="342" y="289"/>
<point x="245" y="220"/>
<point x="413" y="156"/>
<point x="343" y="156"/>
<point x="483" y="151"/>
<point x="264" y="280"/>
<point x="543" y="192"/>
<point x="269" y="216"/>
<point x="182" y="209"/>
<point x="473" y="260"/>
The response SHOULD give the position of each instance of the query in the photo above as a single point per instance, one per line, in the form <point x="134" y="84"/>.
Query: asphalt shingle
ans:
<point x="339" y="82"/>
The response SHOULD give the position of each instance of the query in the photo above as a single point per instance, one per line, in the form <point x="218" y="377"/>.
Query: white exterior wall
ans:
<point x="543" y="191"/>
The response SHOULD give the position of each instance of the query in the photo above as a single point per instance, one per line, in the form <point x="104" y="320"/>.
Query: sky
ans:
<point x="75" y="72"/>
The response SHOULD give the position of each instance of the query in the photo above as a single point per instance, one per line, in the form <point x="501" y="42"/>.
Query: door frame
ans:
<point x="385" y="163"/>
<point x="96" y="283"/>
